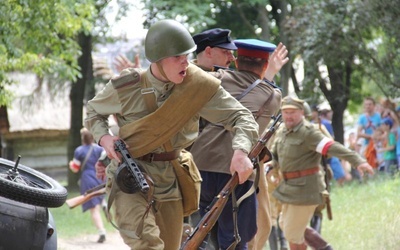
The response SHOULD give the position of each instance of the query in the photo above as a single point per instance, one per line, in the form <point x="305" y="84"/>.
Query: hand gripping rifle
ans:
<point x="259" y="151"/>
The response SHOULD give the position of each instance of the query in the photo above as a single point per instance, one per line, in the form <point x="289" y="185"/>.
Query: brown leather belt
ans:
<point x="166" y="156"/>
<point x="300" y="173"/>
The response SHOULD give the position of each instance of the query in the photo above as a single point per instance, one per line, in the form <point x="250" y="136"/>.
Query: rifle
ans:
<point x="89" y="194"/>
<point x="326" y="179"/>
<point x="259" y="151"/>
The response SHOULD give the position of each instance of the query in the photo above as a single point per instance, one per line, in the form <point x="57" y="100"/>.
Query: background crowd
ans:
<point x="376" y="137"/>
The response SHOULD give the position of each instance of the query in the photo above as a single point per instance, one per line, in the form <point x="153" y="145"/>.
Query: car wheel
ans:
<point x="26" y="185"/>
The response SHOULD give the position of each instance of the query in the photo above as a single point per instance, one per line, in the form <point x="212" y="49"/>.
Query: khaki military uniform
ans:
<point x="163" y="225"/>
<point x="299" y="150"/>
<point x="214" y="144"/>
<point x="212" y="151"/>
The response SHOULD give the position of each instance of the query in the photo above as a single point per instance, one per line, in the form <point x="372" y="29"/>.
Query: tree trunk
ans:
<point x="77" y="95"/>
<point x="337" y="96"/>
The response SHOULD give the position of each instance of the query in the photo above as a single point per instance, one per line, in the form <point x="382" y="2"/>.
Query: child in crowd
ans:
<point x="398" y="140"/>
<point x="379" y="139"/>
<point x="389" y="147"/>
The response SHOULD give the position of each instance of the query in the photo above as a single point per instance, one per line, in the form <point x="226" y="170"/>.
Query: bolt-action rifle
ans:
<point x="89" y="194"/>
<point x="258" y="152"/>
<point x="326" y="179"/>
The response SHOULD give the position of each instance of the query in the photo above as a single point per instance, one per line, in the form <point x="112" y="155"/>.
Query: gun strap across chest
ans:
<point x="185" y="101"/>
<point x="146" y="134"/>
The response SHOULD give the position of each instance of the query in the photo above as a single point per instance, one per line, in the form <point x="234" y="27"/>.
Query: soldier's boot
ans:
<point x="294" y="246"/>
<point x="315" y="241"/>
<point x="282" y="240"/>
<point x="273" y="238"/>
<point x="316" y="222"/>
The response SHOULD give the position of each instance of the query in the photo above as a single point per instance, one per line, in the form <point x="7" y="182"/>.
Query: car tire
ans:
<point x="26" y="185"/>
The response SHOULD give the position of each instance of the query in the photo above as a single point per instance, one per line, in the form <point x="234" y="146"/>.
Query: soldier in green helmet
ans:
<point x="158" y="111"/>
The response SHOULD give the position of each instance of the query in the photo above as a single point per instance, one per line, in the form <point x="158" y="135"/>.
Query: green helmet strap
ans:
<point x="161" y="70"/>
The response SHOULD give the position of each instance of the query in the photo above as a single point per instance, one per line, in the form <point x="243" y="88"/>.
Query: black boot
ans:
<point x="315" y="241"/>
<point x="102" y="238"/>
<point x="273" y="239"/>
<point x="316" y="223"/>
<point x="282" y="239"/>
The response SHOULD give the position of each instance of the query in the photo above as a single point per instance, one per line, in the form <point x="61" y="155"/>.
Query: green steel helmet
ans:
<point x="307" y="110"/>
<point x="168" y="38"/>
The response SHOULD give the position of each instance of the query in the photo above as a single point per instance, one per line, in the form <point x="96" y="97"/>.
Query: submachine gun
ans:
<point x="258" y="152"/>
<point x="129" y="176"/>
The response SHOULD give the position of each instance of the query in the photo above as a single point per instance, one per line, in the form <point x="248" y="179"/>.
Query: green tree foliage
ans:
<point x="381" y="35"/>
<point x="83" y="88"/>
<point x="345" y="46"/>
<point x="248" y="19"/>
<point x="54" y="40"/>
<point x="40" y="36"/>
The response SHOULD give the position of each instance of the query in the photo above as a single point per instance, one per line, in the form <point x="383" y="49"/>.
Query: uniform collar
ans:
<point x="159" y="86"/>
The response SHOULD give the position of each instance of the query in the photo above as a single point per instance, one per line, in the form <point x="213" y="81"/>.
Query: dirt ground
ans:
<point x="89" y="242"/>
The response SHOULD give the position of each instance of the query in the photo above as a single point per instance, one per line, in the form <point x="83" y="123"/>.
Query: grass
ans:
<point x="73" y="222"/>
<point x="365" y="216"/>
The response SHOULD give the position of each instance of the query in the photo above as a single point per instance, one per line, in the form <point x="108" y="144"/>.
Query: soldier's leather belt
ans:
<point x="166" y="156"/>
<point x="300" y="173"/>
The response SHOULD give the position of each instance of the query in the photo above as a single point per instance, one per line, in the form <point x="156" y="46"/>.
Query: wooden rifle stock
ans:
<point x="327" y="198"/>
<point x="259" y="151"/>
<point x="79" y="200"/>
<point x="328" y="208"/>
<point x="326" y="179"/>
<point x="210" y="218"/>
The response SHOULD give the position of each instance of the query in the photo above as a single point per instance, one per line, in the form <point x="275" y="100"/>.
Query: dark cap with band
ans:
<point x="214" y="38"/>
<point x="254" y="48"/>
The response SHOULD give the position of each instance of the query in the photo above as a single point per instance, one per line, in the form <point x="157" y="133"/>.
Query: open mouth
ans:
<point x="182" y="73"/>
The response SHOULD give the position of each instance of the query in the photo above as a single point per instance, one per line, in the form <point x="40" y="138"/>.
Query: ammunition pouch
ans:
<point x="189" y="181"/>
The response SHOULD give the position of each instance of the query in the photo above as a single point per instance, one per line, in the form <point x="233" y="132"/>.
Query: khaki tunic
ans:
<point x="294" y="150"/>
<point x="221" y="108"/>
<point x="212" y="151"/>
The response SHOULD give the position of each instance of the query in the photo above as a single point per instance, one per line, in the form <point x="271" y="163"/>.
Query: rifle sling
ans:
<point x="252" y="86"/>
<point x="236" y="204"/>
<point x="130" y="233"/>
<point x="257" y="178"/>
